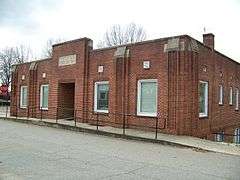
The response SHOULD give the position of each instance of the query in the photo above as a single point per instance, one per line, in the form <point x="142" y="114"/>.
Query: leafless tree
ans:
<point x="10" y="56"/>
<point x="47" y="51"/>
<point x="118" y="35"/>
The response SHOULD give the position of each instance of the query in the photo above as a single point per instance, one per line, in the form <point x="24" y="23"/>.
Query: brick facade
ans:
<point x="178" y="63"/>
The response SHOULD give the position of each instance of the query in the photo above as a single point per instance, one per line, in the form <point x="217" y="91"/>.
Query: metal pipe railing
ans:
<point x="95" y="118"/>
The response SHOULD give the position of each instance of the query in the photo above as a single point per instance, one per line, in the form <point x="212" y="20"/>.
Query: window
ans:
<point x="44" y="97"/>
<point x="219" y="137"/>
<point x="237" y="136"/>
<point x="203" y="99"/>
<point x="237" y="99"/>
<point x="23" y="97"/>
<point x="101" y="96"/>
<point x="220" y="95"/>
<point x="230" y="96"/>
<point x="147" y="97"/>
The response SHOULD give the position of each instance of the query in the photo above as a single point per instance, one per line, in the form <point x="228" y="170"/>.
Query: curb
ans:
<point x="103" y="133"/>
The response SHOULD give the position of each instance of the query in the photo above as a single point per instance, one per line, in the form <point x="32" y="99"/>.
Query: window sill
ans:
<point x="147" y="114"/>
<point x="203" y="116"/>
<point x="44" y="109"/>
<point x="23" y="107"/>
<point x="220" y="104"/>
<point x="101" y="111"/>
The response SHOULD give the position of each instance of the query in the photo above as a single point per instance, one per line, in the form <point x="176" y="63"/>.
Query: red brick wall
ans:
<point x="133" y="67"/>
<point x="104" y="58"/>
<point x="43" y="67"/>
<point x="178" y="73"/>
<point x="15" y="99"/>
<point x="220" y="70"/>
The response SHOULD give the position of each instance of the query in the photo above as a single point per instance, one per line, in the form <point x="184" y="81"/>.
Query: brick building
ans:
<point x="190" y="88"/>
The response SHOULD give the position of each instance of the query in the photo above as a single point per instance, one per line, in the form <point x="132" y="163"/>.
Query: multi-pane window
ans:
<point x="101" y="94"/>
<point x="220" y="95"/>
<point x="147" y="97"/>
<point x="231" y="96"/>
<point x="237" y="136"/>
<point x="219" y="136"/>
<point x="237" y="99"/>
<point x="44" y="97"/>
<point x="23" y="97"/>
<point x="203" y="99"/>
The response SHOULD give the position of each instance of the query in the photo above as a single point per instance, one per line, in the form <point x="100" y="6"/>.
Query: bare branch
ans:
<point x="118" y="35"/>
<point x="47" y="51"/>
<point x="10" y="56"/>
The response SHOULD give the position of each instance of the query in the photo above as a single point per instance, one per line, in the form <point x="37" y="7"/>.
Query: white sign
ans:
<point x="67" y="60"/>
<point x="146" y="64"/>
<point x="100" y="69"/>
<point x="44" y="75"/>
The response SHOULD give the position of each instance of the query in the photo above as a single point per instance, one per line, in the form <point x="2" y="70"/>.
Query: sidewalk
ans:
<point x="183" y="141"/>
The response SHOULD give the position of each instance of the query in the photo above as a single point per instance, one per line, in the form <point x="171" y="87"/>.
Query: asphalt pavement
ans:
<point x="34" y="152"/>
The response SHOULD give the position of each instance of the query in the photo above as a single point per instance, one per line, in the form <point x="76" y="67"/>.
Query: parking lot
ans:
<point x="34" y="152"/>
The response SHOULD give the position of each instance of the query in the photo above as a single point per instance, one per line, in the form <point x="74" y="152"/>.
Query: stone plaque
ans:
<point x="67" y="60"/>
<point x="120" y="52"/>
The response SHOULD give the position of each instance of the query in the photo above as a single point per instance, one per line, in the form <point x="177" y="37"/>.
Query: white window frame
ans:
<point x="219" y="137"/>
<point x="231" y="96"/>
<point x="205" y="114"/>
<point x="139" y="113"/>
<point x="237" y="99"/>
<point x="95" y="96"/>
<point x="220" y="94"/>
<point x="23" y="106"/>
<point x="237" y="136"/>
<point x="41" y="96"/>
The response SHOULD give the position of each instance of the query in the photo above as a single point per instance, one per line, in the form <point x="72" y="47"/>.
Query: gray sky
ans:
<point x="32" y="22"/>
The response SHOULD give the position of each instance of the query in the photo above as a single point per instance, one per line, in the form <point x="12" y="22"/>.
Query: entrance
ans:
<point x="66" y="93"/>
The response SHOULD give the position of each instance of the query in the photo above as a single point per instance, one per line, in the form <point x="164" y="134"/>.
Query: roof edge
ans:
<point x="70" y="41"/>
<point x="139" y="43"/>
<point x="40" y="60"/>
<point x="214" y="50"/>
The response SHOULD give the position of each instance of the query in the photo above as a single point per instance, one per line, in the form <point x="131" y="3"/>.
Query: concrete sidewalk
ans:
<point x="183" y="141"/>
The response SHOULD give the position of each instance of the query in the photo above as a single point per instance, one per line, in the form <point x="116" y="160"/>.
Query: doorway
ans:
<point x="66" y="93"/>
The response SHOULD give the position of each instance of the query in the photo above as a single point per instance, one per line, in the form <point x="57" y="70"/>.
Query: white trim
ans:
<point x="237" y="99"/>
<point x="21" y="97"/>
<point x="139" y="113"/>
<point x="219" y="137"/>
<point x="205" y="114"/>
<point x="41" y="96"/>
<point x="95" y="96"/>
<point x="236" y="138"/>
<point x="220" y="102"/>
<point x="231" y="96"/>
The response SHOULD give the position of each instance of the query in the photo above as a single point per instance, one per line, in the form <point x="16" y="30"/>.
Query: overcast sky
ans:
<point x="32" y="22"/>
